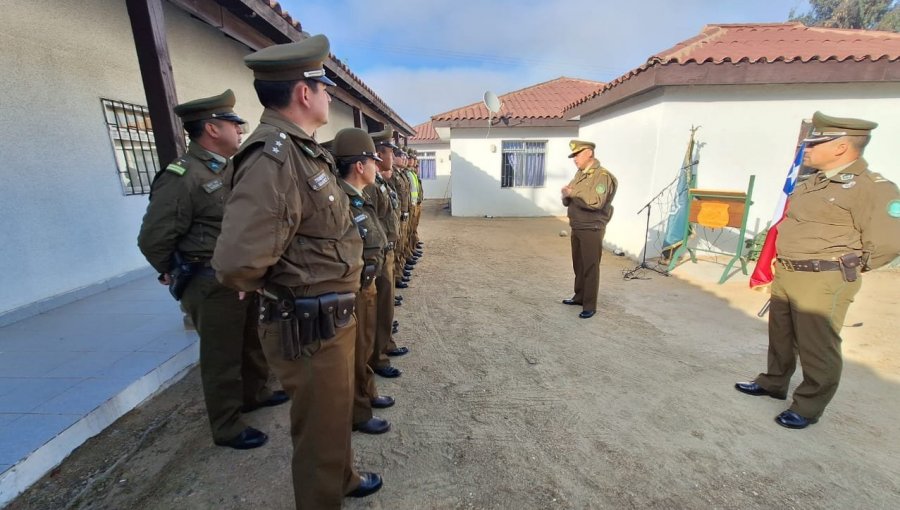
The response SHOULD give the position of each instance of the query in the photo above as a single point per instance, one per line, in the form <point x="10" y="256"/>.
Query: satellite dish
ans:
<point x="492" y="102"/>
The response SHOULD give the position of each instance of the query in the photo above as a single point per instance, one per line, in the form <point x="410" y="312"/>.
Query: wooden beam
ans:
<point x="357" y="117"/>
<point x="149" y="30"/>
<point x="226" y="21"/>
<point x="264" y="18"/>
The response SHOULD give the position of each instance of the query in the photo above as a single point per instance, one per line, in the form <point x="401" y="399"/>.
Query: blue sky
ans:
<point x="426" y="57"/>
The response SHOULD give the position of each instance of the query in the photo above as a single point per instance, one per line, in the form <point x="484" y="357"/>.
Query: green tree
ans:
<point x="864" y="14"/>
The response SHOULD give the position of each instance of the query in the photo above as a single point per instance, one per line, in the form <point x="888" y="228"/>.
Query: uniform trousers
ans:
<point x="363" y="376"/>
<point x="233" y="369"/>
<point x="399" y="249"/>
<point x="320" y="384"/>
<point x="805" y="319"/>
<point x="414" y="239"/>
<point x="587" y="248"/>
<point x="384" y="339"/>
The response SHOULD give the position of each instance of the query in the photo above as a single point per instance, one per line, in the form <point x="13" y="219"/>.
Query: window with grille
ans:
<point x="427" y="166"/>
<point x="131" y="134"/>
<point x="523" y="164"/>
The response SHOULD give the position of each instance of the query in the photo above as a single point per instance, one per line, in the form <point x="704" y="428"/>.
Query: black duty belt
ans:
<point x="814" y="266"/>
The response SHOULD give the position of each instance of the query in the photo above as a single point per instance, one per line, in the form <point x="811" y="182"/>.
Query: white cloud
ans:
<point x="426" y="57"/>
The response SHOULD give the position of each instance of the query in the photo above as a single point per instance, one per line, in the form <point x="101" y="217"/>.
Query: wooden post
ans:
<point x="149" y="30"/>
<point x="357" y="117"/>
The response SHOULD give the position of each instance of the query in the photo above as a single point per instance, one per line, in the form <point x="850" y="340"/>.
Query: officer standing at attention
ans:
<point x="288" y="234"/>
<point x="842" y="220"/>
<point x="418" y="196"/>
<point x="357" y="166"/>
<point x="185" y="217"/>
<point x="387" y="205"/>
<point x="589" y="198"/>
<point x="401" y="185"/>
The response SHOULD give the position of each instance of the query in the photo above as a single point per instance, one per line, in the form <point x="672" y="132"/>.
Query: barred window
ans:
<point x="427" y="166"/>
<point x="523" y="164"/>
<point x="131" y="134"/>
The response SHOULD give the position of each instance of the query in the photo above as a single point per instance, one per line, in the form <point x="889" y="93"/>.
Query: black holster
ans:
<point x="849" y="267"/>
<point x="181" y="275"/>
<point x="368" y="275"/>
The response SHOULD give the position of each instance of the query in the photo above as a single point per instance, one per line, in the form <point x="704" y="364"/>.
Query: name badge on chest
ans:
<point x="318" y="181"/>
<point x="213" y="185"/>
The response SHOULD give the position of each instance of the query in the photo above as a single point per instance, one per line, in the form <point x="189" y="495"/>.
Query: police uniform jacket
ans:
<point x="288" y="221"/>
<point x="187" y="202"/>
<point x="386" y="207"/>
<point x="854" y="212"/>
<point x="402" y="187"/>
<point x="366" y="219"/>
<point x="590" y="203"/>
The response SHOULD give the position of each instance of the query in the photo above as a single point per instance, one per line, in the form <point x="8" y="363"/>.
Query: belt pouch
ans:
<point x="307" y="312"/>
<point x="344" y="312"/>
<point x="849" y="263"/>
<point x="288" y="330"/>
<point x="368" y="275"/>
<point x="328" y="303"/>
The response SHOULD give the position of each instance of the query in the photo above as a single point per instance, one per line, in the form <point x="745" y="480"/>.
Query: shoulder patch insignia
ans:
<point x="275" y="147"/>
<point x="893" y="209"/>
<point x="318" y="181"/>
<point x="601" y="189"/>
<point x="176" y="169"/>
<point x="357" y="202"/>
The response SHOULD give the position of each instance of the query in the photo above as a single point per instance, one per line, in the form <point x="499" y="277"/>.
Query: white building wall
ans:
<point x="476" y="168"/>
<point x="438" y="188"/>
<point x="340" y="116"/>
<point x="747" y="129"/>
<point x="67" y="223"/>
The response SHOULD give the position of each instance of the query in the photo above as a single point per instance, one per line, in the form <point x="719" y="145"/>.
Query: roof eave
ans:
<point x="513" y="122"/>
<point x="742" y="73"/>
<point x="257" y="24"/>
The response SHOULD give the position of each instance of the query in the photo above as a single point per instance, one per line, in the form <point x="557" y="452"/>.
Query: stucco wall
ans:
<point x="744" y="130"/>
<point x="476" y="171"/>
<point x="440" y="186"/>
<point x="67" y="223"/>
<point x="340" y="116"/>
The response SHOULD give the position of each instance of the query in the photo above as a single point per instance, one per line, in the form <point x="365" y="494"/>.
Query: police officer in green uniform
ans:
<point x="842" y="220"/>
<point x="357" y="166"/>
<point x="288" y="234"/>
<point x="401" y="184"/>
<point x="589" y="198"/>
<point x="184" y="217"/>
<point x="387" y="205"/>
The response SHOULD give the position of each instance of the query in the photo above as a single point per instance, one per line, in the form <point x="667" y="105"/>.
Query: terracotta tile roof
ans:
<point x="425" y="132"/>
<point x="546" y="100"/>
<point x="275" y="6"/>
<point x="790" y="42"/>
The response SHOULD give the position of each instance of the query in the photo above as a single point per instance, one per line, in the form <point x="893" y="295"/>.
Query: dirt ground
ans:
<point x="508" y="400"/>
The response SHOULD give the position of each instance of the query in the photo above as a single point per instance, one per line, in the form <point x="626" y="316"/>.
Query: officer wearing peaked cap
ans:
<point x="387" y="205"/>
<point x="357" y="163"/>
<point x="588" y="198"/>
<point x="183" y="221"/>
<point x="288" y="234"/>
<point x="843" y="220"/>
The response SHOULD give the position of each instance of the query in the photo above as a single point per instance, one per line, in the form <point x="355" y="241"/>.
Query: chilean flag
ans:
<point x="763" y="272"/>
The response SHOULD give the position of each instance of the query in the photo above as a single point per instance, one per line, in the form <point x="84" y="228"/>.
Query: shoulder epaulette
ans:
<point x="275" y="146"/>
<point x="177" y="167"/>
